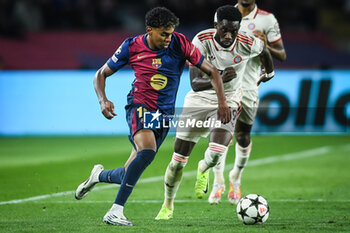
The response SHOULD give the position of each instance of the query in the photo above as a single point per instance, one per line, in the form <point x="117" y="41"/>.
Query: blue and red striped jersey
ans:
<point x="157" y="72"/>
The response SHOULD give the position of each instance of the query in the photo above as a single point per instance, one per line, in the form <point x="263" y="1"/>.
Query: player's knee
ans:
<point x="147" y="156"/>
<point x="147" y="146"/>
<point x="214" y="153"/>
<point x="243" y="139"/>
<point x="178" y="162"/>
<point x="144" y="139"/>
<point x="183" y="147"/>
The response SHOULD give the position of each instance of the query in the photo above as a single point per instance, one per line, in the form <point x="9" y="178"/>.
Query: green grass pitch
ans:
<point x="305" y="179"/>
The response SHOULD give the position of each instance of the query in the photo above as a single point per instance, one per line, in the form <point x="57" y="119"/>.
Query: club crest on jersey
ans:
<point x="157" y="62"/>
<point x="251" y="26"/>
<point x="158" y="81"/>
<point x="237" y="59"/>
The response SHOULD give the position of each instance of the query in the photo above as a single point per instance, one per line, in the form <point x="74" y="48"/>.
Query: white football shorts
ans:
<point x="250" y="103"/>
<point x="199" y="117"/>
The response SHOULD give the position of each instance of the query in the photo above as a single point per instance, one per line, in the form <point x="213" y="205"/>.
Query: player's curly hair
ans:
<point x="161" y="17"/>
<point x="228" y="12"/>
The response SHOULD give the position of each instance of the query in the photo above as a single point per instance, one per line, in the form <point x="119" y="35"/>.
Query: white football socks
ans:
<point x="211" y="157"/>
<point x="172" y="178"/>
<point x="219" y="168"/>
<point x="241" y="160"/>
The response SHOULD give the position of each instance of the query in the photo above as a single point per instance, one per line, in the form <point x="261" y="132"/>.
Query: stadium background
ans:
<point x="58" y="45"/>
<point x="49" y="52"/>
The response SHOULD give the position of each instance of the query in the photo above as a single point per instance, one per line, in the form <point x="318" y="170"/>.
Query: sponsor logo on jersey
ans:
<point x="211" y="58"/>
<point x="251" y="26"/>
<point x="237" y="59"/>
<point x="158" y="81"/>
<point x="157" y="62"/>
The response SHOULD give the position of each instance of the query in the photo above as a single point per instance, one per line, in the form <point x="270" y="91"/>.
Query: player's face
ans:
<point x="159" y="38"/>
<point x="246" y="3"/>
<point x="226" y="32"/>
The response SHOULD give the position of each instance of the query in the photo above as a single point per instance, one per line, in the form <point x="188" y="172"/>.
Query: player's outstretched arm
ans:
<point x="198" y="83"/>
<point x="266" y="61"/>
<point x="224" y="112"/>
<point x="107" y="107"/>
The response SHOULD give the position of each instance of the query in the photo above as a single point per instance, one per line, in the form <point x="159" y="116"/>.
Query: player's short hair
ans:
<point x="161" y="17"/>
<point x="227" y="12"/>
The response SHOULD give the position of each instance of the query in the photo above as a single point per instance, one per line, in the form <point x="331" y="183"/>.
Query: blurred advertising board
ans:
<point x="54" y="102"/>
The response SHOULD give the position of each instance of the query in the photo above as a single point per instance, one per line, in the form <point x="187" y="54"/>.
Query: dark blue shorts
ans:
<point x="135" y="120"/>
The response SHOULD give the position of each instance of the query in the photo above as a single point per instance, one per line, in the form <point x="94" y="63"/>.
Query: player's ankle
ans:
<point x="234" y="175"/>
<point x="169" y="204"/>
<point x="219" y="178"/>
<point x="202" y="166"/>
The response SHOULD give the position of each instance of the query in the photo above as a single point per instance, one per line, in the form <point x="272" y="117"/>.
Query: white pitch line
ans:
<point x="195" y="201"/>
<point x="291" y="156"/>
<point x="257" y="162"/>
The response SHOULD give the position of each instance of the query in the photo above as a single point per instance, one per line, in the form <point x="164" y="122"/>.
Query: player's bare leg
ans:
<point x="173" y="176"/>
<point x="131" y="158"/>
<point x="218" y="141"/>
<point x="242" y="149"/>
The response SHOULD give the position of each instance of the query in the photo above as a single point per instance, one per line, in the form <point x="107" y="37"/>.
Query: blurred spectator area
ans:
<point x="78" y="34"/>
<point x="60" y="49"/>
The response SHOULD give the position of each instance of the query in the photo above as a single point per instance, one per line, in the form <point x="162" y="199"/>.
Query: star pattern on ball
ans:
<point x="243" y="212"/>
<point x="255" y="202"/>
<point x="253" y="209"/>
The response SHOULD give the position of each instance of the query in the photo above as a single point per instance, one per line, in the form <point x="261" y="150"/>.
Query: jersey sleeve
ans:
<point x="250" y="46"/>
<point x="120" y="56"/>
<point x="273" y="32"/>
<point x="256" y="47"/>
<point x="199" y="45"/>
<point x="191" y="52"/>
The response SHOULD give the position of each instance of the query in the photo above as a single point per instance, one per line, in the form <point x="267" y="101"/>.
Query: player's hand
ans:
<point x="107" y="108"/>
<point x="260" y="35"/>
<point x="228" y="74"/>
<point x="224" y="113"/>
<point x="263" y="77"/>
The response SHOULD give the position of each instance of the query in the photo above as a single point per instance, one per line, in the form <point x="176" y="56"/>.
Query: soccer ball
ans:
<point x="253" y="209"/>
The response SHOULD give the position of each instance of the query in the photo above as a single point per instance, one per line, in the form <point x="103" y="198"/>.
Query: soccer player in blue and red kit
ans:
<point x="158" y="58"/>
